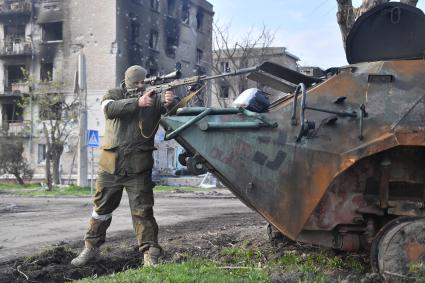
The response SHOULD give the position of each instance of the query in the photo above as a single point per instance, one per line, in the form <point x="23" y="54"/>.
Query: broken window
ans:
<point x="12" y="113"/>
<point x="14" y="39"/>
<point x="224" y="66"/>
<point x="15" y="75"/>
<point x="199" y="56"/>
<point x="155" y="5"/>
<point x="171" y="7"/>
<point x="41" y="153"/>
<point x="46" y="72"/>
<point x="185" y="12"/>
<point x="171" y="47"/>
<point x="153" y="39"/>
<point x="199" y="20"/>
<point x="224" y="91"/>
<point x="14" y="34"/>
<point x="135" y="30"/>
<point x="52" y="31"/>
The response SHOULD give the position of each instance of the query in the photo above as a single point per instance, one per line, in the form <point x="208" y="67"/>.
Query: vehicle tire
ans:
<point x="196" y="166"/>
<point x="398" y="244"/>
<point x="183" y="157"/>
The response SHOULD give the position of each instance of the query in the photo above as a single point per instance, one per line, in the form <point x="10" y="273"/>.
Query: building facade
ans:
<point x="41" y="39"/>
<point x="224" y="91"/>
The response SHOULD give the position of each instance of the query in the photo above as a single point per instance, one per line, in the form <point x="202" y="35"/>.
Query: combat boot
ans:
<point x="151" y="256"/>
<point x="87" y="255"/>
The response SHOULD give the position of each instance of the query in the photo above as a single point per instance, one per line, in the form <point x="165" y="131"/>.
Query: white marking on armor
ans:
<point x="104" y="103"/>
<point x="103" y="217"/>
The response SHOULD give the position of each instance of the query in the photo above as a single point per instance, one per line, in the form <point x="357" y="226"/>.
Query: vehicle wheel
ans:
<point x="183" y="158"/>
<point x="398" y="244"/>
<point x="195" y="165"/>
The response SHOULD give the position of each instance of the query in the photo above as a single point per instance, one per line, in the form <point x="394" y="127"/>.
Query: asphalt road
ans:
<point x="29" y="224"/>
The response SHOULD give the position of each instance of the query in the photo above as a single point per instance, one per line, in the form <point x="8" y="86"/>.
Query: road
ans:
<point x="29" y="224"/>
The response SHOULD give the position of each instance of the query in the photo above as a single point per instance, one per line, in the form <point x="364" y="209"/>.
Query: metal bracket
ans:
<point x="187" y="124"/>
<point x="363" y="114"/>
<point x="306" y="125"/>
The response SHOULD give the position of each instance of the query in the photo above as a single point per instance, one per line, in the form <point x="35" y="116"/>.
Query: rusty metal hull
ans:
<point x="319" y="181"/>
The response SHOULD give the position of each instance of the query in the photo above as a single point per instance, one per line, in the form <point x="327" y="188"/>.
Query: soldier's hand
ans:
<point x="146" y="100"/>
<point x="168" y="97"/>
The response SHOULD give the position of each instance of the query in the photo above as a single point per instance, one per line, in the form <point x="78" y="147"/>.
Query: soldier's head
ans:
<point x="134" y="77"/>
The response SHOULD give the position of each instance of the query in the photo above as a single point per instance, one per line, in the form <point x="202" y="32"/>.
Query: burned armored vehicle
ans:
<point x="341" y="161"/>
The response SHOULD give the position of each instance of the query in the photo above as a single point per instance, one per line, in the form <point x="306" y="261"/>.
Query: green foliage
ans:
<point x="57" y="117"/>
<point x="13" y="162"/>
<point x="417" y="271"/>
<point x="191" y="271"/>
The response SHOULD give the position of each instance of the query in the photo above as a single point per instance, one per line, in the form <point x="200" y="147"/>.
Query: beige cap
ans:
<point x="134" y="74"/>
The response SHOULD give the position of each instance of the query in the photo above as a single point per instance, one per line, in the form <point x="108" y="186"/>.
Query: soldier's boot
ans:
<point x="151" y="256"/>
<point x="89" y="254"/>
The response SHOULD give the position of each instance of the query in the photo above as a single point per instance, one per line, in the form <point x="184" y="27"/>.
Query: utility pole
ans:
<point x="81" y="88"/>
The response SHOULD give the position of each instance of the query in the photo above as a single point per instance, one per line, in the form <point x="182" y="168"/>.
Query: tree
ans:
<point x="249" y="51"/>
<point x="347" y="14"/>
<point x="12" y="160"/>
<point x="57" y="114"/>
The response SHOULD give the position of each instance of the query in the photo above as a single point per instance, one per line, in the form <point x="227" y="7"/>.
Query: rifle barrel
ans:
<point x="231" y="74"/>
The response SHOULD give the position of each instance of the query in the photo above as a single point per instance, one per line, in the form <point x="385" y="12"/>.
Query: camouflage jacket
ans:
<point x="129" y="133"/>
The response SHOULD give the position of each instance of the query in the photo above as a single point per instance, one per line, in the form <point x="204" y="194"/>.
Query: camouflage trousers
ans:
<point x="109" y="189"/>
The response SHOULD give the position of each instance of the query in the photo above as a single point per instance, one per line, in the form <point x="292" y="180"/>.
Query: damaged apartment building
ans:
<point x="42" y="39"/>
<point x="225" y="91"/>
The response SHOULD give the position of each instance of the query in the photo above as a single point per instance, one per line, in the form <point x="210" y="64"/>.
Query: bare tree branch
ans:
<point x="249" y="50"/>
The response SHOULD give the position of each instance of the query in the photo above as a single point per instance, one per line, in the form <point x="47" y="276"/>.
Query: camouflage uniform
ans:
<point x="126" y="162"/>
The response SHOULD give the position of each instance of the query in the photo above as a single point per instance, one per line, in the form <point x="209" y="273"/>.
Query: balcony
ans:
<point x="16" y="128"/>
<point x="15" y="7"/>
<point x="20" y="87"/>
<point x="15" y="47"/>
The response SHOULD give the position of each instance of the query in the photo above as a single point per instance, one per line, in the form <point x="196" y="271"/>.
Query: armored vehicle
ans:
<point x="340" y="162"/>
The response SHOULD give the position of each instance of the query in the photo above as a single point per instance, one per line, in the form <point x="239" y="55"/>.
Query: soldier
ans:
<point x="126" y="162"/>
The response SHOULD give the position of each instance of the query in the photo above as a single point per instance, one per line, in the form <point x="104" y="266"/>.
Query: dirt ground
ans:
<point x="28" y="224"/>
<point x="203" y="237"/>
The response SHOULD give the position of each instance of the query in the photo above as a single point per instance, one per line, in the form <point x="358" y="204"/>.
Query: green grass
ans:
<point x="240" y="264"/>
<point x="17" y="186"/>
<point x="70" y="190"/>
<point x="318" y="262"/>
<point x="191" y="271"/>
<point x="243" y="255"/>
<point x="313" y="264"/>
<point x="173" y="189"/>
<point x="76" y="191"/>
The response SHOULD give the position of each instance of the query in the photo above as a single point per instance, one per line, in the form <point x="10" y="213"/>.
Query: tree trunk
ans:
<point x="48" y="171"/>
<point x="56" y="156"/>
<point x="19" y="179"/>
<point x="347" y="14"/>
